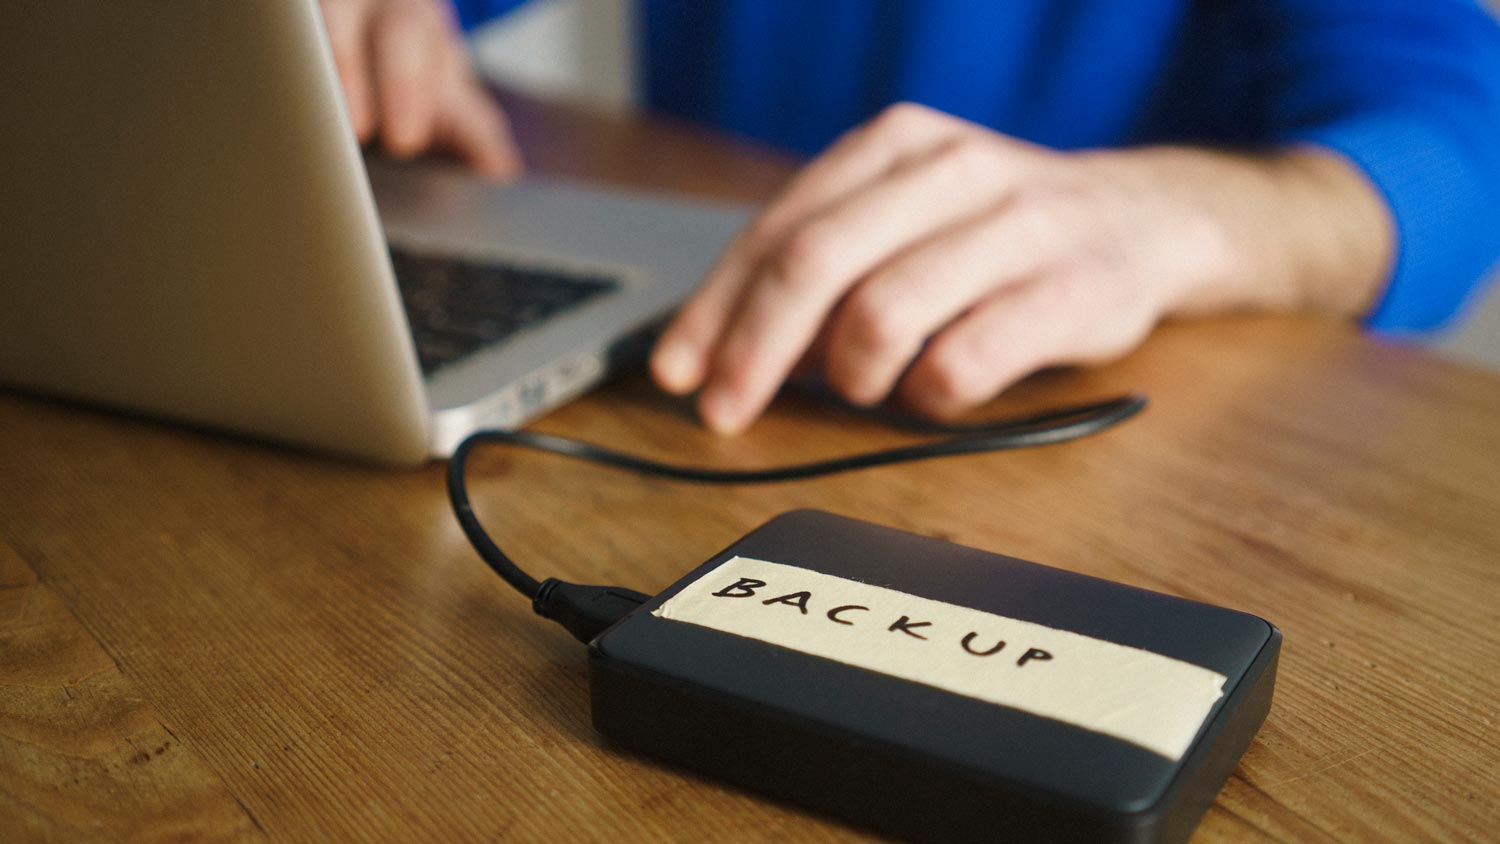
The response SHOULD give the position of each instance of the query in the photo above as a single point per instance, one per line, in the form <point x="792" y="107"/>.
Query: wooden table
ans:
<point x="206" y="639"/>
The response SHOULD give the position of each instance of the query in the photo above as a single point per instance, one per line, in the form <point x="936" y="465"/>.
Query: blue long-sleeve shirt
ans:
<point x="1409" y="90"/>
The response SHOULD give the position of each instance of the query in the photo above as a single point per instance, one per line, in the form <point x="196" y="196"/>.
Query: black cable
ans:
<point x="588" y="609"/>
<point x="893" y="418"/>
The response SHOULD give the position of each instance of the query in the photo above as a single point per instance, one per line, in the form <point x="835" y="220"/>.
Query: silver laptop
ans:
<point x="188" y="230"/>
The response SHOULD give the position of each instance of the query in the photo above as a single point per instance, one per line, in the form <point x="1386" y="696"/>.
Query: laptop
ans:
<point x="188" y="230"/>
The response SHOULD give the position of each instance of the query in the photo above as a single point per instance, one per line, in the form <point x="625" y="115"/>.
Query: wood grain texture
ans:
<point x="335" y="664"/>
<point x="82" y="756"/>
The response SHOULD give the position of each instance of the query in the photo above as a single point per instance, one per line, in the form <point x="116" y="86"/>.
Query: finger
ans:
<point x="408" y="45"/>
<point x="679" y="360"/>
<point x="1002" y="340"/>
<point x="471" y="126"/>
<point x="902" y="132"/>
<point x="790" y="297"/>
<point x="882" y="325"/>
<point x="1057" y="318"/>
<point x="346" y="22"/>
<point x="681" y="357"/>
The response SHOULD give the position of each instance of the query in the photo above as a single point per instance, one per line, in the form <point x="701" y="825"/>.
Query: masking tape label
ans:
<point x="1150" y="700"/>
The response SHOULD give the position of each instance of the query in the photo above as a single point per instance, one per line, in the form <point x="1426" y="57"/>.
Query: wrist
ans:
<point x="1299" y="229"/>
<point x="1342" y="234"/>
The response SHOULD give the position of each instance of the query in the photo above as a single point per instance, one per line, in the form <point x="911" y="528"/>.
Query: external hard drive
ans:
<point x="937" y="693"/>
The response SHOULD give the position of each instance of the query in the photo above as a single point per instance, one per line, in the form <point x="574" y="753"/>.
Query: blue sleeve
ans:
<point x="1408" y="90"/>
<point x="472" y="13"/>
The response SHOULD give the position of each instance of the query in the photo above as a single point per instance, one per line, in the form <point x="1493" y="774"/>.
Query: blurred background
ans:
<point x="583" y="51"/>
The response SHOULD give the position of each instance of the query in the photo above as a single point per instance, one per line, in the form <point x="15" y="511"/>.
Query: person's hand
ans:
<point x="407" y="81"/>
<point x="927" y="258"/>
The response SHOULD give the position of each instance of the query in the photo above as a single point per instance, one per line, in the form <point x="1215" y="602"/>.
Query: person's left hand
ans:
<point x="406" y="78"/>
<point x="927" y="257"/>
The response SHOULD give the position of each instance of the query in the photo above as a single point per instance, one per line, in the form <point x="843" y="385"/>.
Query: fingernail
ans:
<point x="721" y="412"/>
<point x="675" y="366"/>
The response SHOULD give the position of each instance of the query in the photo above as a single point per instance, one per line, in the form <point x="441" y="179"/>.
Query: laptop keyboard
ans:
<point x="457" y="307"/>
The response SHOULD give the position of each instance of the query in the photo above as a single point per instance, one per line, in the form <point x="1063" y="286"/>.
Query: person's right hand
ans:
<point x="934" y="261"/>
<point x="407" y="81"/>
